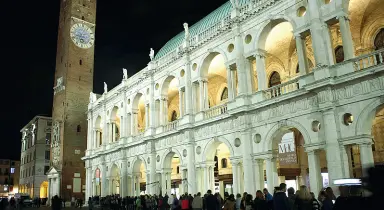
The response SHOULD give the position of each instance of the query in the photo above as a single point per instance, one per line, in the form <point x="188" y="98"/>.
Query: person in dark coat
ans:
<point x="280" y="199"/>
<point x="211" y="201"/>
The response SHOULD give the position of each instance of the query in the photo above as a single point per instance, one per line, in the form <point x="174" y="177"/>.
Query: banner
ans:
<point x="287" y="150"/>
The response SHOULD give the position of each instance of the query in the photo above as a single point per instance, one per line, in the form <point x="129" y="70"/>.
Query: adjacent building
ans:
<point x="9" y="177"/>
<point x="35" y="156"/>
<point x="255" y="94"/>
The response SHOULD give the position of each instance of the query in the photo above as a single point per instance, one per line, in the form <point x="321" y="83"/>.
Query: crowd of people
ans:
<point x="281" y="199"/>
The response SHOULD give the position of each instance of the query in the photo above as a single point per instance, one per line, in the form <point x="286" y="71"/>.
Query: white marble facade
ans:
<point x="252" y="120"/>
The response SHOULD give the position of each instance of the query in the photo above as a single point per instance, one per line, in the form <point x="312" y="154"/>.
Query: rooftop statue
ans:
<point x="105" y="88"/>
<point x="151" y="54"/>
<point x="235" y="4"/>
<point x="125" y="74"/>
<point x="186" y="29"/>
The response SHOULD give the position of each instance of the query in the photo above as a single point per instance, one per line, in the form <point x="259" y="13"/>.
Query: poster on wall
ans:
<point x="287" y="150"/>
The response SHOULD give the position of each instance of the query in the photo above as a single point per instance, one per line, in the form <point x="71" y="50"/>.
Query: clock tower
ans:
<point x="72" y="87"/>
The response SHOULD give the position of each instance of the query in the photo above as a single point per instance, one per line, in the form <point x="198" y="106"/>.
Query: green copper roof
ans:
<point x="205" y="23"/>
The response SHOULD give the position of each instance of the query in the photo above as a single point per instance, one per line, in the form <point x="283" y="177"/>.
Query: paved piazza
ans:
<point x="255" y="94"/>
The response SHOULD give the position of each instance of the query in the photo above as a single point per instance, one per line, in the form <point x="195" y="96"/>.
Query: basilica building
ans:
<point x="257" y="93"/>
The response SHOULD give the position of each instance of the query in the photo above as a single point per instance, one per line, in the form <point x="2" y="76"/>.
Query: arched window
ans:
<point x="379" y="40"/>
<point x="224" y="94"/>
<point x="339" y="54"/>
<point x="174" y="116"/>
<point x="224" y="163"/>
<point x="274" y="79"/>
<point x="78" y="128"/>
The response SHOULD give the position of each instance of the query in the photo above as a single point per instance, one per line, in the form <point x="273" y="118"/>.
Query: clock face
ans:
<point x="82" y="35"/>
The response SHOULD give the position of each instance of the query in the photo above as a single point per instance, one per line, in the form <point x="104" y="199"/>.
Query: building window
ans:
<point x="46" y="169"/>
<point x="339" y="54"/>
<point x="224" y="163"/>
<point x="174" y="116"/>
<point x="47" y="155"/>
<point x="224" y="94"/>
<point x="12" y="170"/>
<point x="48" y="138"/>
<point x="81" y="62"/>
<point x="274" y="79"/>
<point x="78" y="128"/>
<point x="82" y="17"/>
<point x="379" y="40"/>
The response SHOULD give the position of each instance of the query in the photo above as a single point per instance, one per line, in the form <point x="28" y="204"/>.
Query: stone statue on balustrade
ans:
<point x="151" y="54"/>
<point x="105" y="88"/>
<point x="125" y="74"/>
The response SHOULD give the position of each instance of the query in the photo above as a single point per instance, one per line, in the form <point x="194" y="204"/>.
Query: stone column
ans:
<point x="169" y="181"/>
<point x="205" y="179"/>
<point x="90" y="133"/>
<point x="346" y="158"/>
<point x="249" y="182"/>
<point x="137" y="178"/>
<point x="114" y="132"/>
<point x="315" y="178"/>
<point x="182" y="188"/>
<point x="366" y="157"/>
<point x="272" y="176"/>
<point x="161" y="118"/>
<point x="164" y="184"/>
<point x="97" y="141"/>
<point x="301" y="54"/>
<point x="181" y="103"/>
<point x="259" y="173"/>
<point x="240" y="63"/>
<point x="58" y="185"/>
<point x="188" y="88"/>
<point x="230" y="83"/>
<point x="88" y="189"/>
<point x="49" y="193"/>
<point x="165" y="116"/>
<point x="346" y="36"/>
<point x="124" y="179"/>
<point x="192" y="188"/>
<point x="146" y="116"/>
<point x="204" y="105"/>
<point x="152" y="108"/>
<point x="134" y="122"/>
<point x="212" y="177"/>
<point x="152" y="175"/>
<point x="235" y="176"/>
<point x="104" y="180"/>
<point x="261" y="71"/>
<point x="319" y="34"/>
<point x="132" y="187"/>
<point x="335" y="159"/>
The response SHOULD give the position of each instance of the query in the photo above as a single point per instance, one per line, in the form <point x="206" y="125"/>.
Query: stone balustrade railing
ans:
<point x="216" y="111"/>
<point x="171" y="126"/>
<point x="369" y="60"/>
<point x="282" y="89"/>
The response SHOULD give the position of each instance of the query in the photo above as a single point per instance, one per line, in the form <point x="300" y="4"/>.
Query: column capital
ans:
<point x="208" y="164"/>
<point x="343" y="16"/>
<point x="260" y="53"/>
<point x="167" y="170"/>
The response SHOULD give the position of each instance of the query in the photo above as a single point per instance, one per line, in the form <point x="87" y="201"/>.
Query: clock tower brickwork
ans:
<point x="73" y="84"/>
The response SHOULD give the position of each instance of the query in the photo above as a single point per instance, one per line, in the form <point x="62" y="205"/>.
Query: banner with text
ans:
<point x="287" y="150"/>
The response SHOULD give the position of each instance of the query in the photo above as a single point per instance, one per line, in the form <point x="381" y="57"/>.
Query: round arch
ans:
<point x="114" y="171"/>
<point x="98" y="122"/>
<point x="205" y="62"/>
<point x="136" y="164"/>
<point x="165" y="84"/>
<point x="168" y="155"/>
<point x="267" y="27"/>
<point x="114" y="113"/>
<point x="136" y="100"/>
<point x="211" y="146"/>
<point x="368" y="115"/>
<point x="278" y="131"/>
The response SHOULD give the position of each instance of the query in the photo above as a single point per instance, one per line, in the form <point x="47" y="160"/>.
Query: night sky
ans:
<point x="125" y="31"/>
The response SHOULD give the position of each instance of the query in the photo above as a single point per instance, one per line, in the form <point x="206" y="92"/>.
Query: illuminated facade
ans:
<point x="9" y="177"/>
<point x="256" y="93"/>
<point x="35" y="155"/>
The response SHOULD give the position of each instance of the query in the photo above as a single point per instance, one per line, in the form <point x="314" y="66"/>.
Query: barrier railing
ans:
<point x="215" y="111"/>
<point x="282" y="89"/>
<point x="171" y="126"/>
<point x="369" y="60"/>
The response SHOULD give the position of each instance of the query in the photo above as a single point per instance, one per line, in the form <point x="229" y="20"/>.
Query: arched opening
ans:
<point x="274" y="79"/>
<point x="214" y="70"/>
<point x="114" y="124"/>
<point x="224" y="95"/>
<point x="115" y="180"/>
<point x="98" y="132"/>
<point x="172" y="103"/>
<point x="174" y="183"/>
<point x="139" y="178"/>
<point x="339" y="54"/>
<point x="44" y="190"/>
<point x="292" y="165"/>
<point x="377" y="144"/>
<point x="220" y="177"/>
<point x="97" y="183"/>
<point x="280" y="53"/>
<point x="379" y="40"/>
<point x="140" y="120"/>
